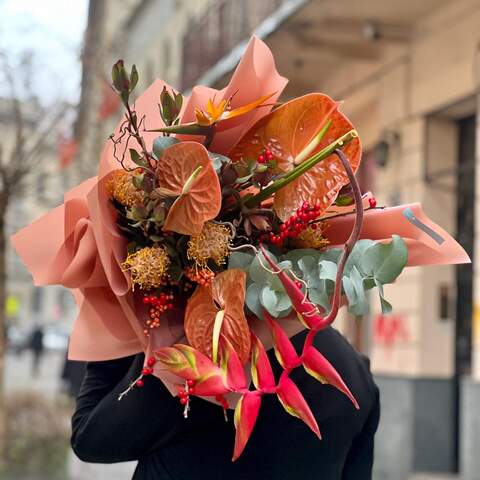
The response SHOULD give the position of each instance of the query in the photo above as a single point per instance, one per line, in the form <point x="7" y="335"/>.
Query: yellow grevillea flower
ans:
<point x="311" y="238"/>
<point x="212" y="244"/>
<point x="121" y="188"/>
<point x="148" y="267"/>
<point x="214" y="113"/>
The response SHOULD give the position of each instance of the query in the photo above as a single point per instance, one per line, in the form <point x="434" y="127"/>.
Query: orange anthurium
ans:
<point x="293" y="133"/>
<point x="217" y="309"/>
<point x="215" y="113"/>
<point x="186" y="170"/>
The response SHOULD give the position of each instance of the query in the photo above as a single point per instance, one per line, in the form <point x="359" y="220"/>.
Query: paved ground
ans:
<point x="19" y="377"/>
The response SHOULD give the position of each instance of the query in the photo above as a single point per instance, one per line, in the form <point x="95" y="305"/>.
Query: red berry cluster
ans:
<point x="158" y="305"/>
<point x="372" y="202"/>
<point x="184" y="394"/>
<point x="202" y="276"/>
<point x="296" y="224"/>
<point x="148" y="370"/>
<point x="265" y="156"/>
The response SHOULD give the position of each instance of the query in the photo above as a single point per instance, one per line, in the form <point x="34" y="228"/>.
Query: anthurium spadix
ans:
<point x="295" y="404"/>
<point x="321" y="369"/>
<point x="303" y="306"/>
<point x="246" y="413"/>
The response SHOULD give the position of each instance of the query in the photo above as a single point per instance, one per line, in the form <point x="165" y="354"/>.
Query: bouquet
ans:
<point x="220" y="225"/>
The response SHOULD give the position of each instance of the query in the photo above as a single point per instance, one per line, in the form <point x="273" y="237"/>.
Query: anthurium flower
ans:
<point x="186" y="170"/>
<point x="214" y="113"/>
<point x="293" y="133"/>
<point x="219" y="307"/>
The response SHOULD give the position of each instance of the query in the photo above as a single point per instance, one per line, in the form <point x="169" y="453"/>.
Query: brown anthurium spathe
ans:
<point x="226" y="294"/>
<point x="186" y="170"/>
<point x="293" y="133"/>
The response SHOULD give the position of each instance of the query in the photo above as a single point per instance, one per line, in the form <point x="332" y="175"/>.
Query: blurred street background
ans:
<point x="409" y="75"/>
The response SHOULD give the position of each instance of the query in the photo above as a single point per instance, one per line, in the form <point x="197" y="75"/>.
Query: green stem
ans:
<point x="300" y="169"/>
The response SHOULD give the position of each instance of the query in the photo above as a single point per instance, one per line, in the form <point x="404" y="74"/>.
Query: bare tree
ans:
<point x="93" y="58"/>
<point x="21" y="154"/>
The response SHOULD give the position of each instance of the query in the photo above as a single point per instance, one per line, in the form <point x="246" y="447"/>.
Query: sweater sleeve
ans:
<point x="106" y="430"/>
<point x="359" y="462"/>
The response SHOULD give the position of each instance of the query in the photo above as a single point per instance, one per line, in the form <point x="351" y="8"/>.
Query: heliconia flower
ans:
<point x="232" y="366"/>
<point x="302" y="305"/>
<point x="186" y="170"/>
<point x="246" y="413"/>
<point x="321" y="369"/>
<point x="219" y="304"/>
<point x="262" y="374"/>
<point x="295" y="404"/>
<point x="214" y="113"/>
<point x="284" y="349"/>
<point x="190" y="364"/>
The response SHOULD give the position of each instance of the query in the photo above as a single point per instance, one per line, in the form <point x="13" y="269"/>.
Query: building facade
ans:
<point x="408" y="73"/>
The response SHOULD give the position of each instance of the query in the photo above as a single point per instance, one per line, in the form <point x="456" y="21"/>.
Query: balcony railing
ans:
<point x="223" y="26"/>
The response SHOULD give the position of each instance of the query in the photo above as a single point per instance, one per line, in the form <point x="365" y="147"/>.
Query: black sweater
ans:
<point x="148" y="426"/>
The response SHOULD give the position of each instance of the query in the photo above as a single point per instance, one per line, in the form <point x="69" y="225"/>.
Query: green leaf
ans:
<point x="133" y="78"/>
<point x="386" y="306"/>
<point x="360" y="307"/>
<point x="218" y="160"/>
<point x="137" y="158"/>
<point x="357" y="253"/>
<point x="327" y="270"/>
<point x="385" y="261"/>
<point x="268" y="299"/>
<point x="252" y="299"/>
<point x="137" y="181"/>
<point x="162" y="143"/>
<point x="240" y="260"/>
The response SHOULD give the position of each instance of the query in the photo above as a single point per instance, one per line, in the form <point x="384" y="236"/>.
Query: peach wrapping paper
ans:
<point x="78" y="245"/>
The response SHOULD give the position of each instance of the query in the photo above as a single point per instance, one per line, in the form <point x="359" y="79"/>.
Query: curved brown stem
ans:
<point x="349" y="244"/>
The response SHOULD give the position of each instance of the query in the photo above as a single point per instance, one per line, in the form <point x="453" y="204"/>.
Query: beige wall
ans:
<point x="438" y="69"/>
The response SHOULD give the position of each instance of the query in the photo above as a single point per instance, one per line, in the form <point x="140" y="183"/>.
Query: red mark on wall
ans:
<point x="390" y="329"/>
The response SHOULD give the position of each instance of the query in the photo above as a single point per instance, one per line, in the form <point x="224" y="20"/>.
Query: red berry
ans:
<point x="313" y="226"/>
<point x="139" y="383"/>
<point x="191" y="390"/>
<point x="261" y="159"/>
<point x="184" y="400"/>
<point x="182" y="393"/>
<point x="372" y="202"/>
<point x="190" y="383"/>
<point x="151" y="361"/>
<point x="146" y="371"/>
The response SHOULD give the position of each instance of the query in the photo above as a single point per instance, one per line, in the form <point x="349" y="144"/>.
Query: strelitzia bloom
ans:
<point x="214" y="113"/>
